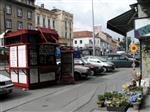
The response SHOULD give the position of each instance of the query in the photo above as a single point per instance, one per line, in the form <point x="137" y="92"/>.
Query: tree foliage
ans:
<point x="123" y="43"/>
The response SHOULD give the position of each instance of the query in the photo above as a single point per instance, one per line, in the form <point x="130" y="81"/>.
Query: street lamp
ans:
<point x="93" y="29"/>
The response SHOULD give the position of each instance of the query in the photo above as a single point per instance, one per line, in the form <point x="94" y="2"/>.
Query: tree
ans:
<point x="123" y="43"/>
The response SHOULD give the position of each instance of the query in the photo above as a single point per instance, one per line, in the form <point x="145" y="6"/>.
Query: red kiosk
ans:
<point x="32" y="61"/>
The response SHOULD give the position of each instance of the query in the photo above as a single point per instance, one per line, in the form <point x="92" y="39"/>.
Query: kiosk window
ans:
<point x="47" y="54"/>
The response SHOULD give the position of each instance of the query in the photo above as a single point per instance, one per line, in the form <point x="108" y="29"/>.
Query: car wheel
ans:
<point x="77" y="76"/>
<point x="86" y="76"/>
<point x="104" y="69"/>
<point x="136" y="64"/>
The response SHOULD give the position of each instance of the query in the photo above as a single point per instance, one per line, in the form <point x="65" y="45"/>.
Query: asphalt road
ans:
<point x="80" y="97"/>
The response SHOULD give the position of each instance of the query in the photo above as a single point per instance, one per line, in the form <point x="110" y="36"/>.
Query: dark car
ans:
<point x="95" y="69"/>
<point x="122" y="60"/>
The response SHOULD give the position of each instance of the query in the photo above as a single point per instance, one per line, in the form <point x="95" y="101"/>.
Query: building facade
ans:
<point x="17" y="14"/>
<point x="56" y="19"/>
<point x="106" y="42"/>
<point x="103" y="42"/>
<point x="84" y="41"/>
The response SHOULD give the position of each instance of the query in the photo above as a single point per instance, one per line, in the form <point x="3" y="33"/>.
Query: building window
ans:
<point x="54" y="24"/>
<point x="38" y="20"/>
<point x="49" y="23"/>
<point x="75" y="42"/>
<point x="65" y="25"/>
<point x="70" y="26"/>
<point x="65" y="34"/>
<point x="19" y="25"/>
<point x="70" y="35"/>
<point x="29" y="26"/>
<point x="28" y="2"/>
<point x="29" y="14"/>
<point x="31" y="2"/>
<point x="80" y="41"/>
<point x="8" y="23"/>
<point x="8" y="9"/>
<point x="19" y="12"/>
<point x="43" y="22"/>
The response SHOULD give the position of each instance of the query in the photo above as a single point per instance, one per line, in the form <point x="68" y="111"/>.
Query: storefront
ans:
<point x="142" y="32"/>
<point x="136" y="19"/>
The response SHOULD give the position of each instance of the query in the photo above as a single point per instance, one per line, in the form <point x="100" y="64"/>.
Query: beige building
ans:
<point x="17" y="14"/>
<point x="56" y="19"/>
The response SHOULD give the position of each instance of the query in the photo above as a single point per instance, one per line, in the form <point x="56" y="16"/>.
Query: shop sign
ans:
<point x="142" y="27"/>
<point x="142" y="31"/>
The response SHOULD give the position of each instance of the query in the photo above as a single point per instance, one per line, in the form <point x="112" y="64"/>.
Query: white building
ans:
<point x="84" y="40"/>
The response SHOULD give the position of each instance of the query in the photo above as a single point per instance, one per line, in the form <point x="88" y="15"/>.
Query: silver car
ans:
<point x="81" y="71"/>
<point x="6" y="85"/>
<point x="99" y="61"/>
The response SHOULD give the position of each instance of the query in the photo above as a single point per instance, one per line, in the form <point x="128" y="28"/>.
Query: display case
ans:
<point x="67" y="65"/>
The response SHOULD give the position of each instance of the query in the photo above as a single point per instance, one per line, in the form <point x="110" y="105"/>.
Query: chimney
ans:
<point x="42" y="5"/>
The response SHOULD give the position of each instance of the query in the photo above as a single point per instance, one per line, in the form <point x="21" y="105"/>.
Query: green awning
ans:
<point x="123" y="23"/>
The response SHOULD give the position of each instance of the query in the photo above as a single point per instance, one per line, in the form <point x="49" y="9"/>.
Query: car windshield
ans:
<point x="85" y="61"/>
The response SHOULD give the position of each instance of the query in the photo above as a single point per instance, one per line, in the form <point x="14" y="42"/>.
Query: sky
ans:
<point x="104" y="10"/>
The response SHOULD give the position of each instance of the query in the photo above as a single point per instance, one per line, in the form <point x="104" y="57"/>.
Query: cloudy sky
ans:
<point x="104" y="10"/>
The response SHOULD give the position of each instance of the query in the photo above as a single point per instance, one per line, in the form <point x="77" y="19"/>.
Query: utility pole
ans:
<point x="4" y="19"/>
<point x="93" y="29"/>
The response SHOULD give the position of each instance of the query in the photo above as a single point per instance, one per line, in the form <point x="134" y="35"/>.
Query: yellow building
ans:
<point x="59" y="20"/>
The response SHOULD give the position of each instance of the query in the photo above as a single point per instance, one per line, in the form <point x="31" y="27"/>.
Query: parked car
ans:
<point x="136" y="56"/>
<point x="80" y="71"/>
<point x="121" y="60"/>
<point x="6" y="85"/>
<point x="99" y="61"/>
<point x="94" y="68"/>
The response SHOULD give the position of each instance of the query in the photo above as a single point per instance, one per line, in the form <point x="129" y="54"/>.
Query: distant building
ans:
<point x="17" y="14"/>
<point x="59" y="20"/>
<point x="84" y="41"/>
<point x="103" y="42"/>
<point x="106" y="42"/>
<point x="115" y="45"/>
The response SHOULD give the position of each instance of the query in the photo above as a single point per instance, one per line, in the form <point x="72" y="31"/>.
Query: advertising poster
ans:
<point x="22" y="56"/>
<point x="13" y="56"/>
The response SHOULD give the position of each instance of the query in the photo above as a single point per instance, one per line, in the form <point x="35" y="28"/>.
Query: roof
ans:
<point x="80" y="34"/>
<point x="123" y="23"/>
<point x="20" y="32"/>
<point x="46" y="34"/>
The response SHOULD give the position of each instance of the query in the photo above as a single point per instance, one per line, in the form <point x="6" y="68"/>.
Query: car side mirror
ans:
<point x="98" y="61"/>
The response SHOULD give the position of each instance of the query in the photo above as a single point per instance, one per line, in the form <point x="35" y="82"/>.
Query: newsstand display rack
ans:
<point x="32" y="62"/>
